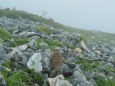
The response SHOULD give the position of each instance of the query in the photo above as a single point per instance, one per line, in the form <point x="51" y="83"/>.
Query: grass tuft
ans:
<point x="45" y="29"/>
<point x="5" y="35"/>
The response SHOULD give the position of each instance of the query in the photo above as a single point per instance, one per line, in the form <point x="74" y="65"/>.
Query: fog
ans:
<point x="84" y="14"/>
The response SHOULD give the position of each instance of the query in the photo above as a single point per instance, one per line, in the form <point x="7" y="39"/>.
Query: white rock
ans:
<point x="23" y="47"/>
<point x="51" y="81"/>
<point x="77" y="50"/>
<point x="98" y="52"/>
<point x="83" y="46"/>
<point x="60" y="77"/>
<point x="62" y="83"/>
<point x="58" y="81"/>
<point x="25" y="33"/>
<point x="35" y="62"/>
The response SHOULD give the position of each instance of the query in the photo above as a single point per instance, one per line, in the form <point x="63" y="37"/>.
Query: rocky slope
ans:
<point x="26" y="48"/>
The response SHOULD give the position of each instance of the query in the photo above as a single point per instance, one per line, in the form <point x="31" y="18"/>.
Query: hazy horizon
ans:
<point x="84" y="14"/>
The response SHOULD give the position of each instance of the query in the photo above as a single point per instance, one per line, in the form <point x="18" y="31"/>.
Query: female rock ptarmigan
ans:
<point x="56" y="59"/>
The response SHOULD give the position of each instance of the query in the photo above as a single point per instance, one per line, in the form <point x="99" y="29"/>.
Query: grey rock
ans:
<point x="77" y="68"/>
<point x="110" y="59"/>
<point x="26" y="34"/>
<point x="105" y="57"/>
<point x="101" y="75"/>
<point x="86" y="84"/>
<point x="59" y="37"/>
<point x="87" y="73"/>
<point x="46" y="53"/>
<point x="46" y="63"/>
<point x="46" y="59"/>
<point x="44" y="45"/>
<point x="76" y="82"/>
<point x="33" y="44"/>
<point x="45" y="77"/>
<point x="17" y="24"/>
<point x="35" y="62"/>
<point x="109" y="64"/>
<point x="23" y="47"/>
<point x="2" y="81"/>
<point x="90" y="55"/>
<point x="2" y="68"/>
<point x="62" y="83"/>
<point x="36" y="84"/>
<point x="56" y="31"/>
<point x="2" y="52"/>
<point x="18" y="56"/>
<point x="64" y="68"/>
<point x="79" y="76"/>
<point x="80" y="79"/>
<point x="71" y="65"/>
<point x="34" y="37"/>
<point x="30" y="51"/>
<point x="58" y="81"/>
<point x="93" y="82"/>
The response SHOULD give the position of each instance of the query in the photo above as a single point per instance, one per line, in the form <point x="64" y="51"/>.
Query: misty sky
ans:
<point x="84" y="14"/>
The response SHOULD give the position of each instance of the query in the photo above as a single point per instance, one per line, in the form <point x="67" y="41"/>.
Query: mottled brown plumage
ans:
<point x="56" y="59"/>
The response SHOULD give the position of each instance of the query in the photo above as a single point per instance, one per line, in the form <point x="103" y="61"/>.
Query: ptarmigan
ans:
<point x="56" y="60"/>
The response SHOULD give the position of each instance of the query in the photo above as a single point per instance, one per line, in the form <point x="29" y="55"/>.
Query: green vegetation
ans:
<point x="52" y="43"/>
<point x="26" y="77"/>
<point x="8" y="64"/>
<point x="88" y="65"/>
<point x="19" y="41"/>
<point x="17" y="13"/>
<point x="109" y="69"/>
<point x="86" y="34"/>
<point x="102" y="82"/>
<point x="45" y="29"/>
<point x="19" y="79"/>
<point x="36" y="78"/>
<point x="5" y="35"/>
<point x="68" y="45"/>
<point x="111" y="82"/>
